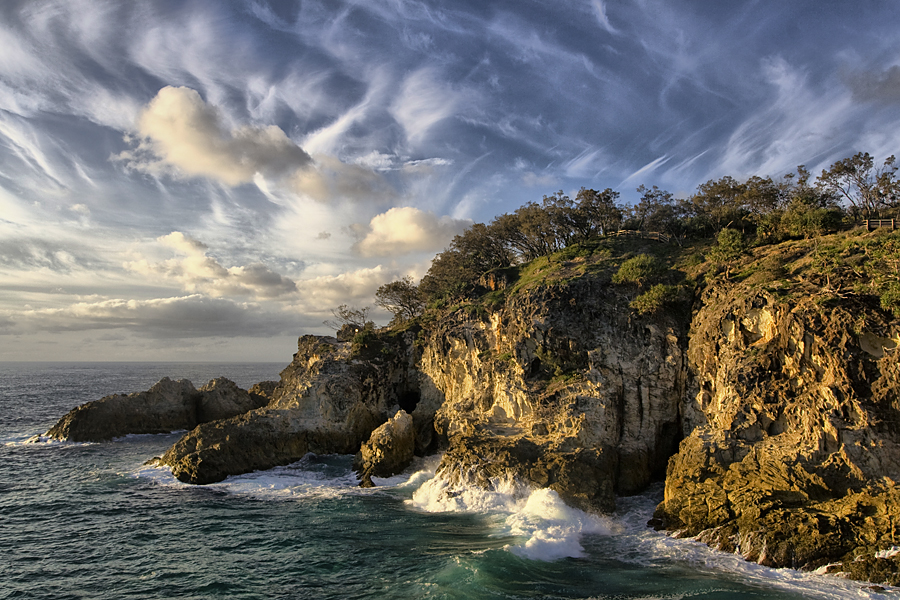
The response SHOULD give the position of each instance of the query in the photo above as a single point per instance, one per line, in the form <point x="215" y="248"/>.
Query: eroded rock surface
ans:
<point x="326" y="402"/>
<point x="389" y="450"/>
<point x="795" y="460"/>
<point x="562" y="387"/>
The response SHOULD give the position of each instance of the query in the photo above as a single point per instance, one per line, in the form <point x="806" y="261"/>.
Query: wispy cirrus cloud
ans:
<point x="317" y="144"/>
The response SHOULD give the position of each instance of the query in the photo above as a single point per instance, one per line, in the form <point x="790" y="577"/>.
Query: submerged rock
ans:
<point x="389" y="450"/>
<point x="167" y="406"/>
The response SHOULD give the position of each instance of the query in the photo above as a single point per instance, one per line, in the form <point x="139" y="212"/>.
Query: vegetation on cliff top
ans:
<point x="716" y="231"/>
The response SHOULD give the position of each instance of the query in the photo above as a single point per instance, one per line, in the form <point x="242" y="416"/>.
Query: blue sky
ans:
<point x="205" y="179"/>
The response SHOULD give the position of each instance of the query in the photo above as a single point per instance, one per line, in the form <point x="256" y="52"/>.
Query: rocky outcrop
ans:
<point x="221" y="398"/>
<point x="389" y="450"/>
<point x="796" y="449"/>
<point x="167" y="406"/>
<point x="563" y="386"/>
<point x="328" y="401"/>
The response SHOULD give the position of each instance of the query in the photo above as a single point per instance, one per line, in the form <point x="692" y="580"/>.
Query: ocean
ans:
<point x="92" y="521"/>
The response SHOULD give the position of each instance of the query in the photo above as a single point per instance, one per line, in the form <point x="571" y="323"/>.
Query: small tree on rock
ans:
<point x="401" y="298"/>
<point x="348" y="321"/>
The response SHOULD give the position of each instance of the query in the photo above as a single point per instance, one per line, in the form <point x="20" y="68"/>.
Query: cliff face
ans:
<point x="563" y="387"/>
<point x="795" y="455"/>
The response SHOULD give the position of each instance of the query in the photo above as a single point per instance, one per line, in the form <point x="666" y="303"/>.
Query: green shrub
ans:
<point x="366" y="345"/>
<point x="810" y="222"/>
<point x="890" y="298"/>
<point x="638" y="270"/>
<point x="656" y="298"/>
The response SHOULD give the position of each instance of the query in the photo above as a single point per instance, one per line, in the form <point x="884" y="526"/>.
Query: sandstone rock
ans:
<point x="327" y="402"/>
<point x="389" y="450"/>
<point x="221" y="398"/>
<point x="794" y="453"/>
<point x="167" y="406"/>
<point x="568" y="372"/>
<point x="264" y="389"/>
<point x="581" y="476"/>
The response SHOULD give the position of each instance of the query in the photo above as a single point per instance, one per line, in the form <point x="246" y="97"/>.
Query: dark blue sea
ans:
<point x="91" y="521"/>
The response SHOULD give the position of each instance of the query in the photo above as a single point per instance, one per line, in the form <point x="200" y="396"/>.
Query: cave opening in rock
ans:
<point x="408" y="400"/>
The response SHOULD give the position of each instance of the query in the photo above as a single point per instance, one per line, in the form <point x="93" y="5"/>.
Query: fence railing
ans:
<point x="647" y="235"/>
<point x="871" y="224"/>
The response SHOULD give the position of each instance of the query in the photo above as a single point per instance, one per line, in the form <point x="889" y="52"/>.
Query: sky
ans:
<point x="204" y="180"/>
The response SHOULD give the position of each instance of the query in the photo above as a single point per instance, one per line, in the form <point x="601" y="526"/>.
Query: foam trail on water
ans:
<point x="311" y="477"/>
<point x="42" y="440"/>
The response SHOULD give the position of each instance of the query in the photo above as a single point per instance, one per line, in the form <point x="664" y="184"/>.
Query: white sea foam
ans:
<point x="552" y="528"/>
<point x="641" y="545"/>
<point x="544" y="527"/>
<point x="547" y="529"/>
<point x="42" y="441"/>
<point x="312" y="476"/>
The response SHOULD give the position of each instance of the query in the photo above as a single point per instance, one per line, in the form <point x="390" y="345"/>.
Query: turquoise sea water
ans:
<point x="91" y="521"/>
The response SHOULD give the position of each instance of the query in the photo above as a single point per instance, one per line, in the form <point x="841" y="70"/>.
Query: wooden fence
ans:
<point x="647" y="235"/>
<point x="871" y="224"/>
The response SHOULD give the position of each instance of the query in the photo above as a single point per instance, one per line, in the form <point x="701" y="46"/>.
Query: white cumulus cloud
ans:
<point x="402" y="230"/>
<point x="178" y="129"/>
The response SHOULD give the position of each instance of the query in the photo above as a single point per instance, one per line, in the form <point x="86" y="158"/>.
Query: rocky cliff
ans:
<point x="793" y="452"/>
<point x="330" y="399"/>
<point x="561" y="386"/>
<point x="767" y="398"/>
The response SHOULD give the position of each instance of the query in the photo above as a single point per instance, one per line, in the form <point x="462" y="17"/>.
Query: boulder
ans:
<point x="328" y="401"/>
<point x="583" y="477"/>
<point x="389" y="450"/>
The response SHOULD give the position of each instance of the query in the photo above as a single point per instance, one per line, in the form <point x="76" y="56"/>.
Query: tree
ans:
<point x="349" y="321"/>
<point x="730" y="246"/>
<point x="401" y="298"/>
<point x="658" y="210"/>
<point x="867" y="188"/>
<point x="719" y="203"/>
<point x="482" y="248"/>
<point x="528" y="231"/>
<point x="448" y="275"/>
<point x="595" y="213"/>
